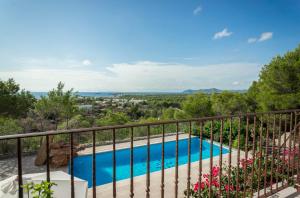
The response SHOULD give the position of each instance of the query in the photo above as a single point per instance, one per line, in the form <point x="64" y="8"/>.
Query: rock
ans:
<point x="54" y="146"/>
<point x="41" y="155"/>
<point x="59" y="154"/>
<point x="59" y="160"/>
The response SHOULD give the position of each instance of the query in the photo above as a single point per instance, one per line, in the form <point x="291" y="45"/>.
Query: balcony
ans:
<point x="178" y="158"/>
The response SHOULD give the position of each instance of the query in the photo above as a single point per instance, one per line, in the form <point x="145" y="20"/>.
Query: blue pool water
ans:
<point x="104" y="169"/>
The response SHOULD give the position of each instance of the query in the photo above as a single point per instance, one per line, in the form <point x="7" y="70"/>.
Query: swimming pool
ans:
<point x="104" y="169"/>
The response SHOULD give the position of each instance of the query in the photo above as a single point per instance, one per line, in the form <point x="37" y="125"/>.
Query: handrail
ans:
<point x="82" y="130"/>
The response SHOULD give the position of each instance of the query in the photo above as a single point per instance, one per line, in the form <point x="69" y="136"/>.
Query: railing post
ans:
<point x="114" y="164"/>
<point x="273" y="153"/>
<point x="148" y="163"/>
<point x="266" y="155"/>
<point x="200" y="157"/>
<point x="230" y="154"/>
<point x="260" y="155"/>
<point x="211" y="158"/>
<point x="220" y="157"/>
<point x="20" y="179"/>
<point x="94" y="164"/>
<point x="253" y="153"/>
<point x="131" y="164"/>
<point x="298" y="163"/>
<point x="246" y="155"/>
<point x="189" y="161"/>
<point x="162" y="185"/>
<point x="176" y="161"/>
<point x="47" y="158"/>
<point x="238" y="157"/>
<point x="72" y="164"/>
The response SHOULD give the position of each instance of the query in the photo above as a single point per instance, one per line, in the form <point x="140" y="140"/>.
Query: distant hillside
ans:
<point x="210" y="91"/>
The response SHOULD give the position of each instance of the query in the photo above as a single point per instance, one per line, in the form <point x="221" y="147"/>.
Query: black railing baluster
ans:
<point x="290" y="146"/>
<point x="72" y="164"/>
<point x="94" y="164"/>
<point x="211" y="158"/>
<point x="278" y="150"/>
<point x="20" y="177"/>
<point x="176" y="161"/>
<point x="47" y="158"/>
<point x="148" y="163"/>
<point x="284" y="144"/>
<point x="246" y="156"/>
<point x="114" y="164"/>
<point x="162" y="185"/>
<point x="253" y="153"/>
<point x="298" y="161"/>
<point x="131" y="164"/>
<point x="230" y="154"/>
<point x="200" y="157"/>
<point x="189" y="160"/>
<point x="238" y="157"/>
<point x="294" y="143"/>
<point x="273" y="154"/>
<point x="260" y="156"/>
<point x="266" y="156"/>
<point x="221" y="157"/>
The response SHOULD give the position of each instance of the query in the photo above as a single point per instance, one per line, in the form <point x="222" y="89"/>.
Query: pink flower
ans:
<point x="215" y="171"/>
<point x="228" y="188"/>
<point x="215" y="183"/>
<point x="196" y="186"/>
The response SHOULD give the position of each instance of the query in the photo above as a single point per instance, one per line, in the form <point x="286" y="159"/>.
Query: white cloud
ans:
<point x="223" y="33"/>
<point x="252" y="40"/>
<point x="139" y="76"/>
<point x="52" y="62"/>
<point x="86" y="62"/>
<point x="263" y="37"/>
<point x="236" y="83"/>
<point x="197" y="10"/>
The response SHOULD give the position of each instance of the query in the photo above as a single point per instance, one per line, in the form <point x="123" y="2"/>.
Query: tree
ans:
<point x="278" y="86"/>
<point x="168" y="114"/>
<point x="112" y="119"/>
<point x="58" y="105"/>
<point x="197" y="105"/>
<point x="134" y="112"/>
<point x="13" y="101"/>
<point x="228" y="103"/>
<point x="8" y="126"/>
<point x="78" y="121"/>
<point x="251" y="97"/>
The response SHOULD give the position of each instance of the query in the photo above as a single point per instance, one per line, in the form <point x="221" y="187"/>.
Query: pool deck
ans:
<point x="123" y="186"/>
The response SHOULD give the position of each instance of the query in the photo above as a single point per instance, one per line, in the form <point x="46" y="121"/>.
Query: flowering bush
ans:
<point x="217" y="185"/>
<point x="227" y="185"/>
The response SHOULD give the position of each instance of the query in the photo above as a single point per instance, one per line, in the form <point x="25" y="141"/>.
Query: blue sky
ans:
<point x="139" y="45"/>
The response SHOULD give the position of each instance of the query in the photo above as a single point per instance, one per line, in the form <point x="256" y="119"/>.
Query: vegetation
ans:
<point x="278" y="86"/>
<point x="13" y="101"/>
<point x="239" y="179"/>
<point x="42" y="190"/>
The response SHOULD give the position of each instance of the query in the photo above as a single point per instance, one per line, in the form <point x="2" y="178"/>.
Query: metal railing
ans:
<point x="260" y="139"/>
